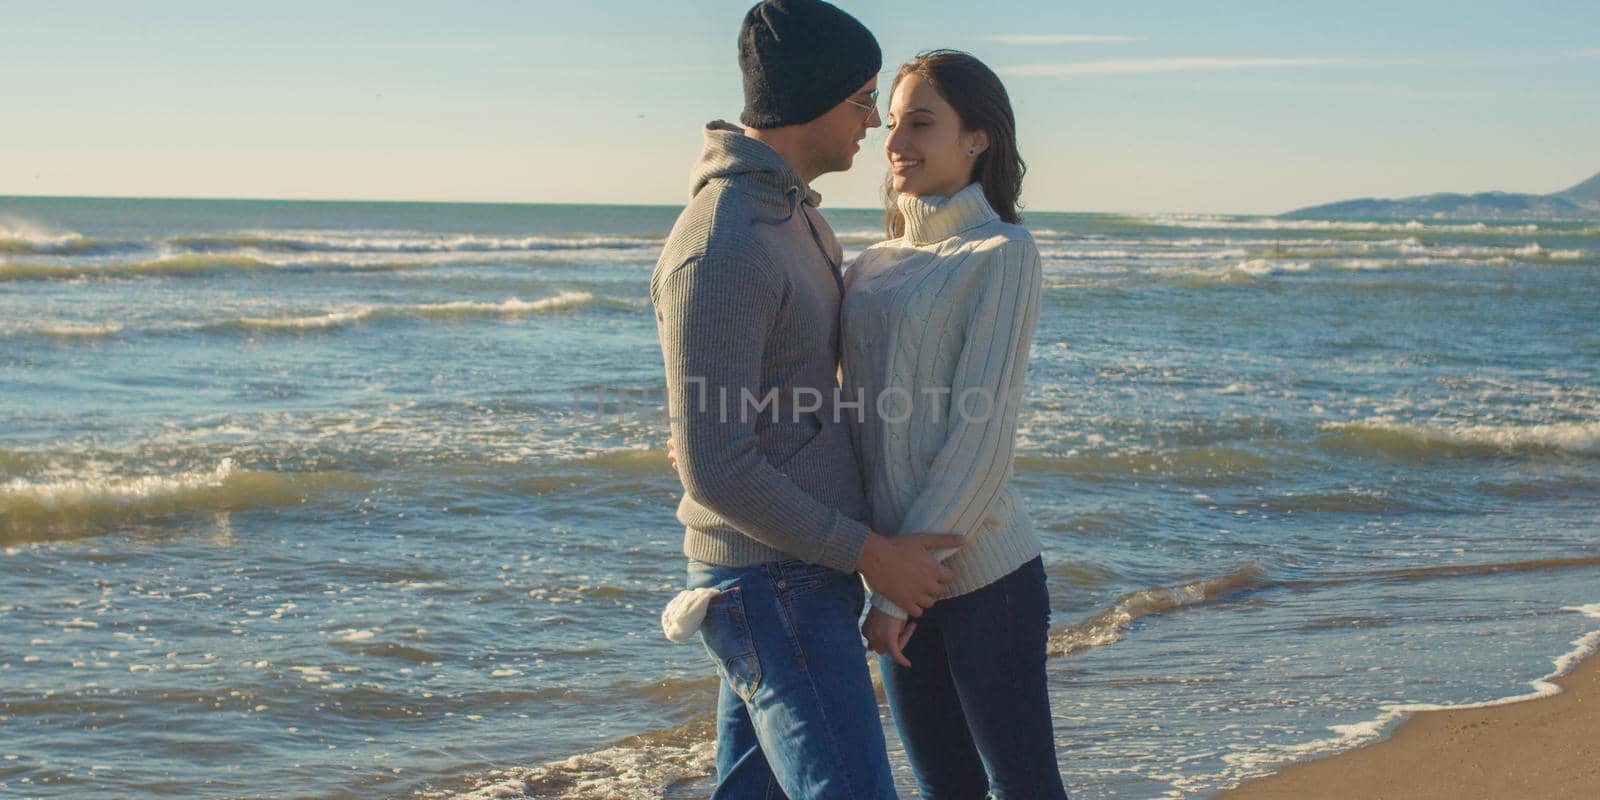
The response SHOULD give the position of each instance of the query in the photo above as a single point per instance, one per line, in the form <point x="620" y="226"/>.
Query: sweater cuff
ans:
<point x="887" y="606"/>
<point x="842" y="544"/>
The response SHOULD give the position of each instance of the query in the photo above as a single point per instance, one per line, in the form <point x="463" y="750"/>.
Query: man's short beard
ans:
<point x="840" y="162"/>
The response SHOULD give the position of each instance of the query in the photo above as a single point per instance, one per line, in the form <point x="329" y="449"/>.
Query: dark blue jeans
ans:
<point x="973" y="709"/>
<point x="796" y="716"/>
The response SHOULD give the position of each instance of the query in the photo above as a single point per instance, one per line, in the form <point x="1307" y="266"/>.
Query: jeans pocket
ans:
<point x="797" y="578"/>
<point x="726" y="633"/>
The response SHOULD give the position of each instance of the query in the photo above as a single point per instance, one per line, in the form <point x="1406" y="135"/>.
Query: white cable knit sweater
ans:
<point x="933" y="324"/>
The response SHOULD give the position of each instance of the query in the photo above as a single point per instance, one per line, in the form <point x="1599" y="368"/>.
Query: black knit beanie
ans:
<point x="801" y="58"/>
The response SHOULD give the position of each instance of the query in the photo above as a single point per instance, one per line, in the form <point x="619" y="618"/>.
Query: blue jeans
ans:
<point x="796" y="716"/>
<point x="973" y="709"/>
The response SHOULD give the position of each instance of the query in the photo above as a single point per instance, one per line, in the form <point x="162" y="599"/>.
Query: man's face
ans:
<point x="836" y="136"/>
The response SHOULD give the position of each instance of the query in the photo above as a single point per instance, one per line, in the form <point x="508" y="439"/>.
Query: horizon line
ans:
<point x="331" y="201"/>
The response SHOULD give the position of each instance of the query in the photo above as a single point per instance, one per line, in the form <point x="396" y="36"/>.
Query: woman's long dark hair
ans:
<point x="978" y="97"/>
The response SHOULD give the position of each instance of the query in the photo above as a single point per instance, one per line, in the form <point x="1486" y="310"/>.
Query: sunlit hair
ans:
<point x="980" y="100"/>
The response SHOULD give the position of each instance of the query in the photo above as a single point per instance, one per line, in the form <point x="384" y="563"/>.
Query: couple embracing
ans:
<point x="835" y="425"/>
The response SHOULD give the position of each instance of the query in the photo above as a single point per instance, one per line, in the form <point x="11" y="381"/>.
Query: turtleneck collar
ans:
<point x="934" y="219"/>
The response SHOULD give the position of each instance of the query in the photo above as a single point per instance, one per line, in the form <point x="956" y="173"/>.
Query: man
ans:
<point x="747" y="294"/>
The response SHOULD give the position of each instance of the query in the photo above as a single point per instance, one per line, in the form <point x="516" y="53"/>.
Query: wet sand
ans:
<point x="1547" y="748"/>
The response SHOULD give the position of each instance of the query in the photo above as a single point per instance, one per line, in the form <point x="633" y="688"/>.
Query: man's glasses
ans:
<point x="870" y="106"/>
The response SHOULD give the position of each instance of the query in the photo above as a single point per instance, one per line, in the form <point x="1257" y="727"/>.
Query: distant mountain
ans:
<point x="1586" y="193"/>
<point x="1579" y="202"/>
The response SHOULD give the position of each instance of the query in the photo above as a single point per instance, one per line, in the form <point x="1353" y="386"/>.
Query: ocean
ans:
<point x="354" y="500"/>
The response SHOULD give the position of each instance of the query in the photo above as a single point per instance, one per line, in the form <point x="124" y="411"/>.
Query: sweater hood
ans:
<point x="750" y="167"/>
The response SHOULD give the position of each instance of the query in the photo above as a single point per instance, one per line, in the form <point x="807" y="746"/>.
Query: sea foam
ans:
<point x="1261" y="761"/>
<point x="81" y="492"/>
<point x="67" y="330"/>
<point x="565" y="301"/>
<point x="24" y="237"/>
<point x="176" y="265"/>
<point x="400" y="242"/>
<point x="31" y="509"/>
<point x="1202" y="222"/>
<point x="643" y="766"/>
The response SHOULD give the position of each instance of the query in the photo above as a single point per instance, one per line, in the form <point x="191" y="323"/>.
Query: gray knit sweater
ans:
<point x="747" y="294"/>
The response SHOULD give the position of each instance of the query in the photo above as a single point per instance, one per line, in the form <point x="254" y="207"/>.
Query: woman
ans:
<point x="937" y="324"/>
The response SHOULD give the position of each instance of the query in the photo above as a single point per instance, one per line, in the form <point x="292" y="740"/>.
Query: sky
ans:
<point x="1226" y="106"/>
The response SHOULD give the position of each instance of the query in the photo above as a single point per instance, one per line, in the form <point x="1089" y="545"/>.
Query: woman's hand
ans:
<point x="888" y="635"/>
<point x="672" y="454"/>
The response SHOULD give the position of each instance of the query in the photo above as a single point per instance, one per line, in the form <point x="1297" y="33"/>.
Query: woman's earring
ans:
<point x="972" y="151"/>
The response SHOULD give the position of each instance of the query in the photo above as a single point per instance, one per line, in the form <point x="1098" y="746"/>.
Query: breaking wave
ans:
<point x="460" y="309"/>
<point x="36" y="509"/>
<point x="1387" y="435"/>
<point x="311" y="242"/>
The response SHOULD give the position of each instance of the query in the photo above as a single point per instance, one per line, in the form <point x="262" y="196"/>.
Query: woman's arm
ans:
<point x="973" y="464"/>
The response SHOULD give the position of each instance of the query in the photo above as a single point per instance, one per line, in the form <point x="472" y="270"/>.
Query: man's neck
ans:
<point x="786" y="142"/>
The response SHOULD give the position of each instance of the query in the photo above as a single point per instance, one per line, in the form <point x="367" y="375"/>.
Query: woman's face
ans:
<point x="929" y="154"/>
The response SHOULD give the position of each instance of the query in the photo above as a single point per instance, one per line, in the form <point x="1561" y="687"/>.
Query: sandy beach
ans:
<point x="1546" y="748"/>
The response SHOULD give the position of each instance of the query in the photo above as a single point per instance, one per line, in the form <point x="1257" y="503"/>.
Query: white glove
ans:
<point x="682" y="617"/>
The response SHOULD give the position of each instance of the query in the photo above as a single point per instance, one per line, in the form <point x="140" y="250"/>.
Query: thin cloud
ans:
<point x="652" y="71"/>
<point x="1149" y="66"/>
<point x="1384" y="90"/>
<point x="1060" y="38"/>
<point x="1593" y="52"/>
